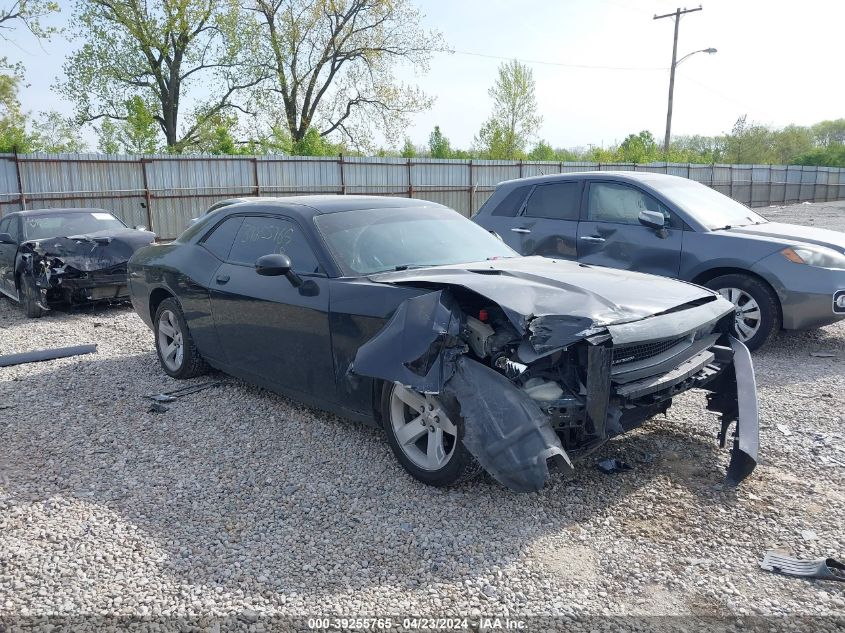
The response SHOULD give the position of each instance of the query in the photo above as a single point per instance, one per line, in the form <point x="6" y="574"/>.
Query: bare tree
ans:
<point x="158" y="52"/>
<point x="333" y="61"/>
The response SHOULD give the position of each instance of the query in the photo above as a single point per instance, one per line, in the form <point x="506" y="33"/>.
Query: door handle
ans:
<point x="521" y="230"/>
<point x="222" y="279"/>
<point x="592" y="238"/>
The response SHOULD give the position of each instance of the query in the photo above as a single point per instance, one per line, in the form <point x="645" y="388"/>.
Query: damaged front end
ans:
<point x="533" y="389"/>
<point x="81" y="269"/>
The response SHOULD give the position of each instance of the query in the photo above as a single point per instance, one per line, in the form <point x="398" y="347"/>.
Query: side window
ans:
<point x="220" y="240"/>
<point x="512" y="202"/>
<point x="6" y="225"/>
<point x="610" y="202"/>
<point x="557" y="201"/>
<point x="259" y="236"/>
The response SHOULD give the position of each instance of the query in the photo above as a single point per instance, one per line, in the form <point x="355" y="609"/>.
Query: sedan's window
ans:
<point x="367" y="241"/>
<point x="259" y="235"/>
<point x="512" y="203"/>
<point x="6" y="225"/>
<point x="220" y="240"/>
<point x="611" y="202"/>
<point x="557" y="201"/>
<point x="38" y="227"/>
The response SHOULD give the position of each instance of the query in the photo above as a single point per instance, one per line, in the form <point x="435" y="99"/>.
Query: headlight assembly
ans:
<point x="815" y="256"/>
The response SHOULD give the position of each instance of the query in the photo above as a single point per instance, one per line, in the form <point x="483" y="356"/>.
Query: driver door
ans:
<point x="610" y="233"/>
<point x="267" y="328"/>
<point x="7" y="256"/>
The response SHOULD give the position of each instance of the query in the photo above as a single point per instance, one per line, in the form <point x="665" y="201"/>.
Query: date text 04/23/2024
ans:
<point x="412" y="623"/>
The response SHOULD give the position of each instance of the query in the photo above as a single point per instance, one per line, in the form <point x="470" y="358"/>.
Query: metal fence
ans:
<point x="164" y="192"/>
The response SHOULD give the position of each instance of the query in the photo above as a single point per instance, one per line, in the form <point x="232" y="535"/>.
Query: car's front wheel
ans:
<point x="175" y="346"/>
<point x="29" y="298"/>
<point x="426" y="437"/>
<point x="756" y="309"/>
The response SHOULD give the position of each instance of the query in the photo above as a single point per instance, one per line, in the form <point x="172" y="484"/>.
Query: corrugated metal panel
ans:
<point x="286" y="176"/>
<point x="181" y="187"/>
<point x="9" y="192"/>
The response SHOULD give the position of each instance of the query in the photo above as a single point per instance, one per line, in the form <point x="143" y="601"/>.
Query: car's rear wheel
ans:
<point x="175" y="346"/>
<point x="756" y="312"/>
<point x="426" y="437"/>
<point x="29" y="298"/>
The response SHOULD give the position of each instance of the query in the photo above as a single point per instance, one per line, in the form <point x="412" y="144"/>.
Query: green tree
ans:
<point x="638" y="148"/>
<point x="313" y="144"/>
<point x="137" y="134"/>
<point x="829" y="132"/>
<point x="438" y="145"/>
<point x="832" y="155"/>
<point x="333" y="61"/>
<point x="514" y="120"/>
<point x="408" y="149"/>
<point x="542" y="151"/>
<point x="13" y="120"/>
<point x="56" y="134"/>
<point x="748" y="143"/>
<point x="791" y="142"/>
<point x="158" y="51"/>
<point x="29" y="13"/>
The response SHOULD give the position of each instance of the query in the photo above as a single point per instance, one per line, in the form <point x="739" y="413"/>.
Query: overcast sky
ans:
<point x="779" y="62"/>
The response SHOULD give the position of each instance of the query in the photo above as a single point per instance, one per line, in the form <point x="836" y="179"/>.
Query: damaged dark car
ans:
<point x="404" y="314"/>
<point x="66" y="256"/>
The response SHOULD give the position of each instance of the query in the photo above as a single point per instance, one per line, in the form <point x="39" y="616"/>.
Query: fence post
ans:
<point x="520" y="168"/>
<point x="342" y="177"/>
<point x="410" y="183"/>
<point x="147" y="197"/>
<point x="732" y="181"/>
<point x="560" y="168"/>
<point x="257" y="188"/>
<point x="20" y="180"/>
<point x="469" y="190"/>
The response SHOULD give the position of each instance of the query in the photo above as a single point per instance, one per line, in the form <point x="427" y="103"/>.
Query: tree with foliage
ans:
<point x="409" y="150"/>
<point x="639" y="148"/>
<point x="13" y="120"/>
<point x="542" y="151"/>
<point x="29" y="13"/>
<point x="158" y="52"/>
<point x="54" y="133"/>
<point x="138" y="133"/>
<point x="514" y="120"/>
<point x="333" y="62"/>
<point x="827" y="133"/>
<point x="438" y="145"/>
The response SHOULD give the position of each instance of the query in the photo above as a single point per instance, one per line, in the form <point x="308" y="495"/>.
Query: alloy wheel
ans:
<point x="170" y="341"/>
<point x="422" y="428"/>
<point x="747" y="315"/>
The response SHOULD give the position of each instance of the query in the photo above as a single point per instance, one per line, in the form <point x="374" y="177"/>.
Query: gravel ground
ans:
<point x="237" y="502"/>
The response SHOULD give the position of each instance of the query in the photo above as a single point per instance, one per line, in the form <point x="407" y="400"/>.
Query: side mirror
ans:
<point x="5" y="238"/>
<point x="652" y="219"/>
<point x="276" y="265"/>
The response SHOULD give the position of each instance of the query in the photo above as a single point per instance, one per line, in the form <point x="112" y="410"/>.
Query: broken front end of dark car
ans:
<point x="79" y="269"/>
<point x="543" y="374"/>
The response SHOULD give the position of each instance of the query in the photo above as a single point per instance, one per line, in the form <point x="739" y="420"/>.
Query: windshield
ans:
<point x="376" y="240"/>
<point x="713" y="209"/>
<point x="39" y="227"/>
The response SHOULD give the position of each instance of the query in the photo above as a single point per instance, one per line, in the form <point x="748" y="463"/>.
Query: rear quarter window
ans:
<point x="512" y="202"/>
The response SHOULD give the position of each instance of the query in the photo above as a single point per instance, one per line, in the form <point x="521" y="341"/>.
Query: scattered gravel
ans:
<point x="237" y="502"/>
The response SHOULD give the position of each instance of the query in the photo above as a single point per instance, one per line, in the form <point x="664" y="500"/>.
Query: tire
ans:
<point x="29" y="294"/>
<point x="175" y="347"/>
<point x="744" y="291"/>
<point x="457" y="465"/>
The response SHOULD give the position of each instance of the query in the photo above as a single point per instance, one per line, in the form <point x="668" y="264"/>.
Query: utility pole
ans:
<point x="677" y="15"/>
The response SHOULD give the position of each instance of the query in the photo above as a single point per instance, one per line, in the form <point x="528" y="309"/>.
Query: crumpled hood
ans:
<point x="790" y="234"/>
<point x="93" y="251"/>
<point x="528" y="287"/>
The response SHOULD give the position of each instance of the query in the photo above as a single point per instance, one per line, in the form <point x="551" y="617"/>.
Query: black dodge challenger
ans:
<point x="65" y="256"/>
<point x="405" y="314"/>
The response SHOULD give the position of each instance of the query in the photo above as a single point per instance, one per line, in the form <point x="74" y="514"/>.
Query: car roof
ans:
<point x="322" y="204"/>
<point x="628" y="176"/>
<point x="31" y="212"/>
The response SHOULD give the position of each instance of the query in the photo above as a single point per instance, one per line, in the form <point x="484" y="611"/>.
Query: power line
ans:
<point x="560" y="64"/>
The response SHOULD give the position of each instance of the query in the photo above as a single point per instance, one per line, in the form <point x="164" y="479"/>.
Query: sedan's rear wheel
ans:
<point x="756" y="313"/>
<point x="425" y="437"/>
<point x="175" y="347"/>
